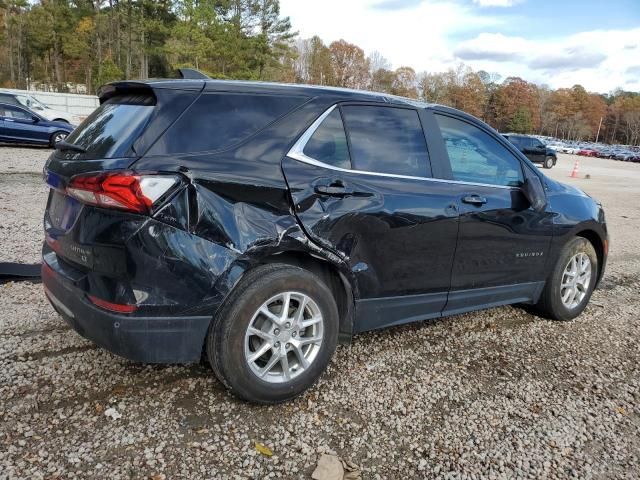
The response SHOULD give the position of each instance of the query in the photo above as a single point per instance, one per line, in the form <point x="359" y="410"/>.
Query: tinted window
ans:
<point x="111" y="129"/>
<point x="12" y="112"/>
<point x="8" y="98"/>
<point x="477" y="157"/>
<point x="517" y="141"/>
<point x="328" y="144"/>
<point x="220" y="120"/>
<point x="387" y="140"/>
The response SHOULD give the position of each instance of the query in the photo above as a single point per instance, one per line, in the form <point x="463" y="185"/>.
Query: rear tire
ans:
<point x="292" y="359"/>
<point x="569" y="287"/>
<point x="548" y="162"/>
<point x="57" y="137"/>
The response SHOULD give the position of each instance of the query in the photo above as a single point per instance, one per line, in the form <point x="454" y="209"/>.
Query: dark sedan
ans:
<point x="21" y="125"/>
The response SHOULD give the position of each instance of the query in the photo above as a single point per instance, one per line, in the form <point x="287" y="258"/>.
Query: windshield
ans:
<point x="110" y="131"/>
<point x="31" y="102"/>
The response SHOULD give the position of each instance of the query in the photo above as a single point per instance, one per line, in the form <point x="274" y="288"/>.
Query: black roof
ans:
<point x="313" y="91"/>
<point x="270" y="87"/>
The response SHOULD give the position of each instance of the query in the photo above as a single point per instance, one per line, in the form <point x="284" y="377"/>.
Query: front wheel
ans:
<point x="275" y="335"/>
<point x="548" y="162"/>
<point x="571" y="283"/>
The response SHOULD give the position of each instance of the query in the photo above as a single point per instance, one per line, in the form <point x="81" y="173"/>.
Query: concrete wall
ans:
<point x="81" y="105"/>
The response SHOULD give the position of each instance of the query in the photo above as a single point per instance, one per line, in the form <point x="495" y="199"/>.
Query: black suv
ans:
<point x="533" y="149"/>
<point x="262" y="223"/>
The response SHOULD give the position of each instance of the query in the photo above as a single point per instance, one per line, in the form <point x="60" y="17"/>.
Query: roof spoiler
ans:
<point x="192" y="74"/>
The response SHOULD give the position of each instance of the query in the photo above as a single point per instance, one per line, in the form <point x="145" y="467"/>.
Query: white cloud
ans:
<point x="413" y="33"/>
<point x="598" y="60"/>
<point x="425" y="35"/>
<point x="496" y="3"/>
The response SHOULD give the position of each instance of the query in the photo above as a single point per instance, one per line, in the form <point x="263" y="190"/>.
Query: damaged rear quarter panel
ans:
<point x="239" y="202"/>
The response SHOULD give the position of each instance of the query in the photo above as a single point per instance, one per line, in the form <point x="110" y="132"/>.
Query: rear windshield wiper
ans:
<point x="63" y="145"/>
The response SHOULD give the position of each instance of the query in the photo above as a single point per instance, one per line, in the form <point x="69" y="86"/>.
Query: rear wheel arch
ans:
<point x="340" y="286"/>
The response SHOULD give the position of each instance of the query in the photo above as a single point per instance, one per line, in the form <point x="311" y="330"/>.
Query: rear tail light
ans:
<point x="122" y="190"/>
<point x="113" y="307"/>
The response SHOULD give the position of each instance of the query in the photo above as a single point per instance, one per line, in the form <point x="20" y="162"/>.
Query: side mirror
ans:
<point x="533" y="190"/>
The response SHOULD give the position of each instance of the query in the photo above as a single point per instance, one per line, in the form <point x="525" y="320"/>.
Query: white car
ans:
<point x="556" y="146"/>
<point x="40" y="108"/>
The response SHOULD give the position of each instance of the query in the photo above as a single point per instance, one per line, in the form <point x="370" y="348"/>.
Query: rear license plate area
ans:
<point x="63" y="210"/>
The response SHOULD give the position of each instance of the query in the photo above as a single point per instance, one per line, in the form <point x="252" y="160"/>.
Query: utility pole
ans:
<point x="598" y="134"/>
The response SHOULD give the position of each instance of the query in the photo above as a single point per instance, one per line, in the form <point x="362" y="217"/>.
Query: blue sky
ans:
<point x="559" y="43"/>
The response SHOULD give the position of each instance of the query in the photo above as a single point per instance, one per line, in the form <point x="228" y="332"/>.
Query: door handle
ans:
<point x="334" y="190"/>
<point x="474" y="199"/>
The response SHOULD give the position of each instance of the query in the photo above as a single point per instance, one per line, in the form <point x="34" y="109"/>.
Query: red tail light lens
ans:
<point x="114" y="307"/>
<point x="121" y="190"/>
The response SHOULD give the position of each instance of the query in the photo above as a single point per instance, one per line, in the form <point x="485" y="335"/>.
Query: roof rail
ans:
<point x="192" y="74"/>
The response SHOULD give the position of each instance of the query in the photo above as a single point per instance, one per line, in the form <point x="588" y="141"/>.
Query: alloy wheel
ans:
<point x="58" y="137"/>
<point x="284" y="337"/>
<point x="576" y="279"/>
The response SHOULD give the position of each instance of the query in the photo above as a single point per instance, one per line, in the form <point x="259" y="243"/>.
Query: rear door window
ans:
<point x="386" y="140"/>
<point x="217" y="121"/>
<point x="17" y="113"/>
<point x="328" y="144"/>
<point x="109" y="132"/>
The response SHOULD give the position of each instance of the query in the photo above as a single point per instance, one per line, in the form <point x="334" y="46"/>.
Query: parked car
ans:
<point x="32" y="103"/>
<point x="21" y="125"/>
<point x="587" y="152"/>
<point x="626" y="156"/>
<point x="263" y="223"/>
<point x="533" y="149"/>
<point x="556" y="146"/>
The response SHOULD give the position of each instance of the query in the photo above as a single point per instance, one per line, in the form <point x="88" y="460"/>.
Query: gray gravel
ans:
<point x="495" y="394"/>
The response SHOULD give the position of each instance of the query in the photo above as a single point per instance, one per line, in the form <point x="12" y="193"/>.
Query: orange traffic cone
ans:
<point x="574" y="172"/>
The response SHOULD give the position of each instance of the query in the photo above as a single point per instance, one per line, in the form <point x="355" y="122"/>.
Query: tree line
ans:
<point x="63" y="43"/>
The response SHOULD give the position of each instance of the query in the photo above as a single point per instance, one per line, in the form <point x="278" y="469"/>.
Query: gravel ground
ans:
<point x="494" y="394"/>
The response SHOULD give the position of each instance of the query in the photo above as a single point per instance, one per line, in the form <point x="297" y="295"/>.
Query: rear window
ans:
<point x="514" y="140"/>
<point x="220" y="120"/>
<point x="109" y="132"/>
<point x="8" y="98"/>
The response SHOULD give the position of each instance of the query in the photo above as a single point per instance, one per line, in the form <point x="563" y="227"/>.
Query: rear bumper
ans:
<point x="177" y="339"/>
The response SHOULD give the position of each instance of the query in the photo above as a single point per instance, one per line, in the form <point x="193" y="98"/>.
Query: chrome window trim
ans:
<point x="297" y="153"/>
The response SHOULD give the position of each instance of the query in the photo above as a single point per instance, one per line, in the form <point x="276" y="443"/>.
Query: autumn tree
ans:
<point x="434" y="88"/>
<point x="313" y="63"/>
<point x="459" y="88"/>
<point x="80" y="44"/>
<point x="349" y="64"/>
<point x="382" y="80"/>
<point x="404" y="82"/>
<point x="514" y="95"/>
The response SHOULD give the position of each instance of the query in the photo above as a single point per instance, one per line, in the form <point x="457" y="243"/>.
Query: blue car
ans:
<point x="21" y="125"/>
